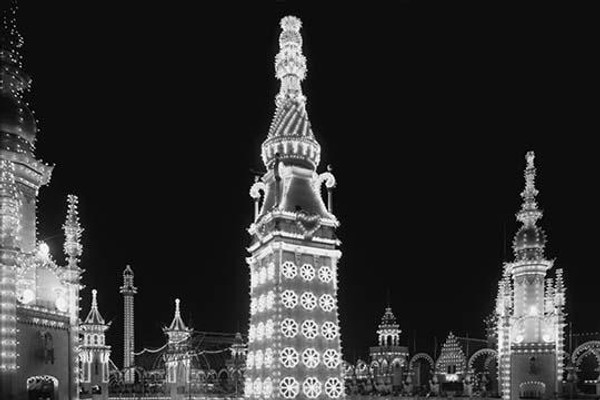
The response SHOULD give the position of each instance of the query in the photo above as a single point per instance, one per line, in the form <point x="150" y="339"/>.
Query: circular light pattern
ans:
<point x="248" y="387"/>
<point x="311" y="387"/>
<point x="308" y="300"/>
<point x="261" y="303"/>
<point x="310" y="357"/>
<point x="254" y="280"/>
<point x="251" y="334"/>
<point x="329" y="330"/>
<point x="262" y="276"/>
<point x="289" y="299"/>
<point x="289" y="270"/>
<point x="327" y="302"/>
<point x="250" y="360"/>
<point x="325" y="274"/>
<point x="61" y="304"/>
<point x="289" y="327"/>
<point x="289" y="387"/>
<point x="331" y="358"/>
<point x="267" y="387"/>
<point x="27" y="296"/>
<point x="253" y="306"/>
<point x="271" y="271"/>
<point x="269" y="300"/>
<point x="288" y="357"/>
<point x="307" y="272"/>
<point x="268" y="358"/>
<point x="334" y="388"/>
<point x="310" y="329"/>
<point x="258" y="359"/>
<point x="269" y="329"/>
<point x="260" y="331"/>
<point x="257" y="389"/>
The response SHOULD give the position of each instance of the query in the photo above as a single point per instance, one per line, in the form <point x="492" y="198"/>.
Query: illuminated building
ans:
<point x="94" y="354"/>
<point x="294" y="347"/>
<point x="177" y="357"/>
<point x="39" y="299"/>
<point x="530" y="309"/>
<point x="128" y="290"/>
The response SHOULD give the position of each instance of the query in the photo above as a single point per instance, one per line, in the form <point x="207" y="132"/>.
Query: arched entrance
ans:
<point x="483" y="370"/>
<point x="586" y="360"/>
<point x="421" y="367"/>
<point x="42" y="387"/>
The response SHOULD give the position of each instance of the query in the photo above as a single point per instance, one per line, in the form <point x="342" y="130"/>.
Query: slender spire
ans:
<point x="290" y="63"/>
<point x="94" y="317"/>
<point x="72" y="228"/>
<point x="11" y="42"/>
<point x="177" y="324"/>
<point x="10" y="205"/>
<point x="530" y="240"/>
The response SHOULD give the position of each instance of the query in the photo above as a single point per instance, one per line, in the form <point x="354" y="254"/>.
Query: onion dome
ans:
<point x="290" y="135"/>
<point x="530" y="240"/>
<point x="17" y="124"/>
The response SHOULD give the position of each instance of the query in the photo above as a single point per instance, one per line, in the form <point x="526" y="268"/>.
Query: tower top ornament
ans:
<point x="290" y="63"/>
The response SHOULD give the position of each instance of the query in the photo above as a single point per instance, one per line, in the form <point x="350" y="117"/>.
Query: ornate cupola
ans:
<point x="177" y="332"/>
<point x="94" y="324"/>
<point x="291" y="138"/>
<point x="17" y="124"/>
<point x="389" y="330"/>
<point x="530" y="240"/>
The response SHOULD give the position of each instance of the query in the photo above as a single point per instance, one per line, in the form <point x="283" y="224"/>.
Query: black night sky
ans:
<point x="154" y="112"/>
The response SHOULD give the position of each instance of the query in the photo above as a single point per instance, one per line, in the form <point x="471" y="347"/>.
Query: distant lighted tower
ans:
<point x="294" y="348"/>
<point x="177" y="356"/>
<point x="530" y="309"/>
<point x="389" y="358"/>
<point x="129" y="291"/>
<point x="94" y="353"/>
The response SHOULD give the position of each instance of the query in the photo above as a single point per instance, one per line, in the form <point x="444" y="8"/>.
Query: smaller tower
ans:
<point x="177" y="357"/>
<point x="389" y="358"/>
<point x="128" y="290"/>
<point x="94" y="354"/>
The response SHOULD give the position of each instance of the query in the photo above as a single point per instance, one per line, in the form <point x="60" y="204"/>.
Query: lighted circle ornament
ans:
<point x="289" y="387"/>
<point x="310" y="357"/>
<point x="289" y="327"/>
<point x="271" y="271"/>
<point x="260" y="331"/>
<point x="269" y="329"/>
<point x="311" y="387"/>
<point x="308" y="300"/>
<point x="250" y="360"/>
<point x="310" y="329"/>
<point x="268" y="358"/>
<point x="257" y="389"/>
<point x="289" y="299"/>
<point x="325" y="274"/>
<point x="329" y="330"/>
<point x="270" y="300"/>
<point x="262" y="303"/>
<point x="258" y="359"/>
<point x="262" y="276"/>
<point x="331" y="358"/>
<point x="289" y="270"/>
<point x="307" y="272"/>
<point x="251" y="333"/>
<point x="334" y="388"/>
<point x="289" y="357"/>
<point x="253" y="306"/>
<point x="267" y="387"/>
<point x="27" y="296"/>
<point x="248" y="387"/>
<point x="61" y="304"/>
<point x="327" y="302"/>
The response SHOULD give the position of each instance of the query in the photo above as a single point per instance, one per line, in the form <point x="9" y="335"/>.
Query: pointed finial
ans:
<point x="10" y="38"/>
<point x="529" y="212"/>
<point x="72" y="228"/>
<point x="94" y="298"/>
<point x="177" y="312"/>
<point x="290" y="63"/>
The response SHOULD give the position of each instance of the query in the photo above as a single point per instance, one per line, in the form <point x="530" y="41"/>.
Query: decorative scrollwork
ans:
<point x="256" y="188"/>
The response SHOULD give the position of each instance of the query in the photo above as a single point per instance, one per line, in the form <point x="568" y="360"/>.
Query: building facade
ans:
<point x="294" y="348"/>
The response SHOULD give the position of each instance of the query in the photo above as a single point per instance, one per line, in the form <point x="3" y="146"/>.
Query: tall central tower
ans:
<point x="530" y="309"/>
<point x="293" y="340"/>
<point x="128" y="290"/>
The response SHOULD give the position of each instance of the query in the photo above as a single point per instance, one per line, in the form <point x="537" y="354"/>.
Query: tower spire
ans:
<point x="72" y="228"/>
<point x="290" y="63"/>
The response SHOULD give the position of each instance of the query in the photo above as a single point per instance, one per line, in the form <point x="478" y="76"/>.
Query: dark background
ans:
<point x="154" y="113"/>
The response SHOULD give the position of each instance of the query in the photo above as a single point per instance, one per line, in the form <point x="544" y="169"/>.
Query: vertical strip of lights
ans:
<point x="128" y="290"/>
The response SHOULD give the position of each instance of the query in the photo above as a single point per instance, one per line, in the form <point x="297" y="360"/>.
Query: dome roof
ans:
<point x="16" y="118"/>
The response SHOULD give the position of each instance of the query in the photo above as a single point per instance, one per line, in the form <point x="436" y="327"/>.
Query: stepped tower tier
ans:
<point x="530" y="309"/>
<point x="294" y="347"/>
<point x="388" y="358"/>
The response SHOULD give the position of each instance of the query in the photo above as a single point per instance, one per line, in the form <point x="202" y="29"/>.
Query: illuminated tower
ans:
<point x="530" y="309"/>
<point x="94" y="354"/>
<point x="294" y="345"/>
<point x="129" y="291"/>
<point x="388" y="358"/>
<point x="177" y="357"/>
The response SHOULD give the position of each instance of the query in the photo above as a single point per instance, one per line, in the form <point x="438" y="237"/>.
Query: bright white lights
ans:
<point x="262" y="302"/>
<point x="260" y="331"/>
<point x="257" y="387"/>
<point x="308" y="300"/>
<point x="251" y="333"/>
<point x="253" y="306"/>
<point x="310" y="329"/>
<point x="289" y="327"/>
<point x="311" y="387"/>
<point x="289" y="387"/>
<point x="27" y="296"/>
<point x="331" y="358"/>
<point x="327" y="302"/>
<point x="270" y="300"/>
<point x="289" y="299"/>
<point x="262" y="276"/>
<point x="269" y="329"/>
<point x="307" y="272"/>
<point x="325" y="274"/>
<point x="329" y="330"/>
<point x="271" y="271"/>
<point x="61" y="304"/>
<point x="289" y="270"/>
<point x="248" y="387"/>
<point x="258" y="359"/>
<point x="310" y="357"/>
<point x="250" y="360"/>
<point x="289" y="357"/>
<point x="268" y="358"/>
<point x="334" y="388"/>
<point x="267" y="387"/>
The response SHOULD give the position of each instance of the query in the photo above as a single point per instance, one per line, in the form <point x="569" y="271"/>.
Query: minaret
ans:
<point x="294" y="346"/>
<point x="389" y="356"/>
<point x="177" y="357"/>
<point x="94" y="353"/>
<point x="530" y="309"/>
<point x="129" y="291"/>
<point x="389" y="330"/>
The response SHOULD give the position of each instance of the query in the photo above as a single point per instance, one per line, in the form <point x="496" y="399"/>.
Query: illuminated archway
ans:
<point x="421" y="367"/>
<point x="42" y="387"/>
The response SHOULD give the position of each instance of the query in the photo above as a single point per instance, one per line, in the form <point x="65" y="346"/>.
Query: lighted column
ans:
<point x="177" y="358"/>
<point x="129" y="291"/>
<point x="294" y="347"/>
